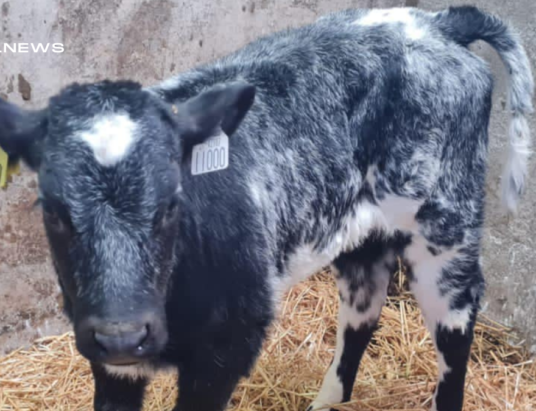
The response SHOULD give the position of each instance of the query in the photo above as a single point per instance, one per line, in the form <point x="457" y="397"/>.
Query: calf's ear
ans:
<point x="222" y="107"/>
<point x="22" y="133"/>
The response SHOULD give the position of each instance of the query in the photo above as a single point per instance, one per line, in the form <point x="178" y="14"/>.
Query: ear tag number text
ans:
<point x="211" y="155"/>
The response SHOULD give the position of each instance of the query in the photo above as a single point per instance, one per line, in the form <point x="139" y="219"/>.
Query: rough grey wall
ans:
<point x="150" y="40"/>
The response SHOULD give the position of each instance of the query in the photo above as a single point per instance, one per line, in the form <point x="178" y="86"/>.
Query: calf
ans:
<point x="178" y="214"/>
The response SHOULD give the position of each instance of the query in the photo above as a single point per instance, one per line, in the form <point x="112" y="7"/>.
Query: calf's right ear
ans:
<point x="222" y="107"/>
<point x="22" y="133"/>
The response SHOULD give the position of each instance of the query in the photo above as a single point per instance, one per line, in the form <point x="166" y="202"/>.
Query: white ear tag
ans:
<point x="212" y="155"/>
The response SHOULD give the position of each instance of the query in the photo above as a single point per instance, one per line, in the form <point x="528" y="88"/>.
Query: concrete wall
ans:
<point x="149" y="41"/>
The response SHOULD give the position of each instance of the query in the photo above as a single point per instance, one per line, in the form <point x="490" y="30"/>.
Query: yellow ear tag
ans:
<point x="7" y="169"/>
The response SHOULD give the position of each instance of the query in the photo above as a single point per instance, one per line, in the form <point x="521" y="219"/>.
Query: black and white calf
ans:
<point x="178" y="214"/>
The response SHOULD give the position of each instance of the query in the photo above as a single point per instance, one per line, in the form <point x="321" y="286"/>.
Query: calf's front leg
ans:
<point x="114" y="393"/>
<point x="212" y="371"/>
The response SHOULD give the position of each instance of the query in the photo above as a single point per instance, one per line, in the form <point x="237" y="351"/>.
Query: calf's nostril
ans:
<point x="143" y="337"/>
<point x="100" y="339"/>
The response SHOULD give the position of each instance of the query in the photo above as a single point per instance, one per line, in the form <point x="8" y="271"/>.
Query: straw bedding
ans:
<point x="398" y="371"/>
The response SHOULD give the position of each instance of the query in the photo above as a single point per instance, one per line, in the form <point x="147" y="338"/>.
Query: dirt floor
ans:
<point x="398" y="371"/>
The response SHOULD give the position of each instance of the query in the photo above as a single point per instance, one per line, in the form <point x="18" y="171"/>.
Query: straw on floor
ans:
<point x="398" y="371"/>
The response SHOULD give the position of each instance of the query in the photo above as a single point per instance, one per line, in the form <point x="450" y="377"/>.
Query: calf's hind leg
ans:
<point x="362" y="276"/>
<point x="448" y="286"/>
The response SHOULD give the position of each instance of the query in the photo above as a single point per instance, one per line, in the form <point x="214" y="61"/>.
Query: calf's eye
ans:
<point x="54" y="220"/>
<point x="171" y="211"/>
<point x="166" y="215"/>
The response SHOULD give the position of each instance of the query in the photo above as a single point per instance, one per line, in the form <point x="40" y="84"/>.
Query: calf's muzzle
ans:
<point x="121" y="341"/>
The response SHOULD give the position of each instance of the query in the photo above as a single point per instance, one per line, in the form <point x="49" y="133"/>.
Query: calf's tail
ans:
<point x="467" y="24"/>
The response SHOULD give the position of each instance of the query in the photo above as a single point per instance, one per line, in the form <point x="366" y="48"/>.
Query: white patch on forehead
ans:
<point x="111" y="137"/>
<point x="392" y="16"/>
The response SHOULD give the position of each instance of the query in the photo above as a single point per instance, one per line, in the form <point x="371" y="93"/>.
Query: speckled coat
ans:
<point x="352" y="141"/>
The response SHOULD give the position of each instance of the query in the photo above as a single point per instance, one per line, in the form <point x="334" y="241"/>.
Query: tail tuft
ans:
<point x="515" y="169"/>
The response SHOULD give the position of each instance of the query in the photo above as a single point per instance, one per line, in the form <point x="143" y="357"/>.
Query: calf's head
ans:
<point x="109" y="157"/>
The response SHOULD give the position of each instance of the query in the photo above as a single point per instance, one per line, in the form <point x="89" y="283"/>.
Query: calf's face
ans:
<point x="109" y="158"/>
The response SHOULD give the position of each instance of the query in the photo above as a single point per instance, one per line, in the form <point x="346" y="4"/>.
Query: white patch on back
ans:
<point x="393" y="16"/>
<point x="111" y="137"/>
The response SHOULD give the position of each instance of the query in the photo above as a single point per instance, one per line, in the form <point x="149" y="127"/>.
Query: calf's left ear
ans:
<point x="222" y="107"/>
<point x="22" y="133"/>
